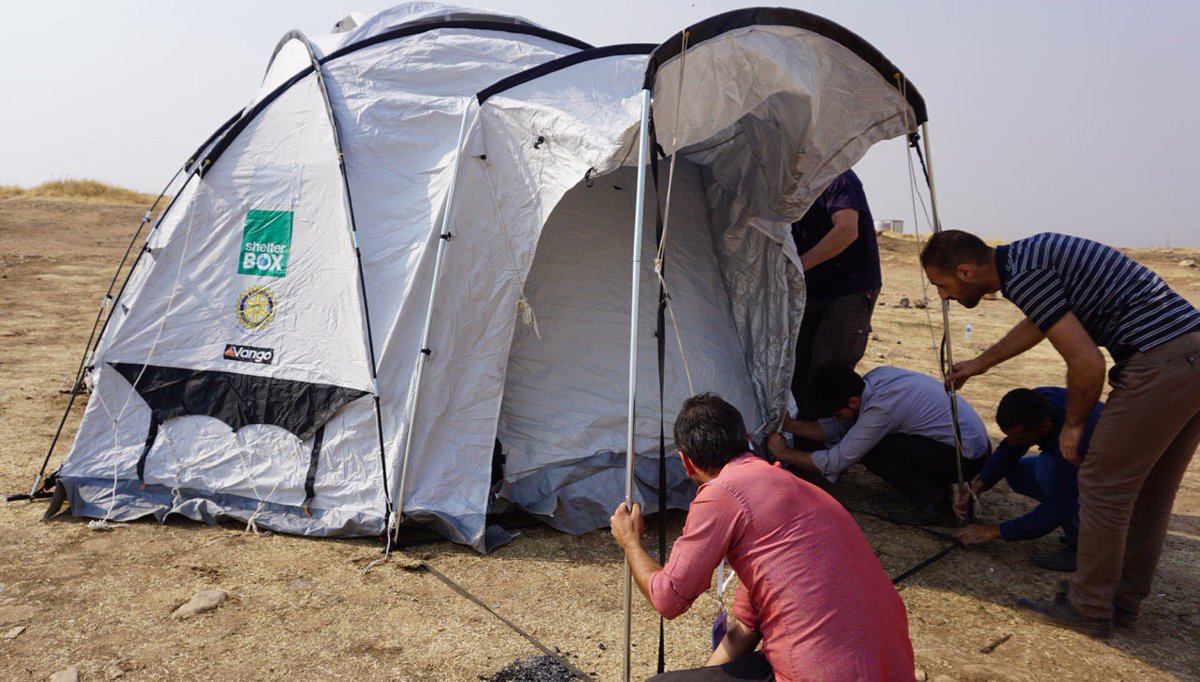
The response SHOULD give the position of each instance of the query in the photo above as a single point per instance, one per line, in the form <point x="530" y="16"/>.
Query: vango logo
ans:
<point x="259" y="356"/>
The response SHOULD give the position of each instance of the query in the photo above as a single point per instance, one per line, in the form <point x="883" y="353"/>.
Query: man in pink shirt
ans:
<point x="811" y="589"/>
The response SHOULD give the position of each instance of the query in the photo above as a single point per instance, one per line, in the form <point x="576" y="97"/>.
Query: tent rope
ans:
<point x="524" y="307"/>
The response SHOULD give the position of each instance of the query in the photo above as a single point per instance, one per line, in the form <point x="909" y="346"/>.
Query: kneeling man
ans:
<point x="811" y="589"/>
<point x="899" y="425"/>
<point x="1028" y="418"/>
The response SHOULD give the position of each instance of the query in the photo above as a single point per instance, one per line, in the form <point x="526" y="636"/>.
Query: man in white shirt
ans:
<point x="899" y="425"/>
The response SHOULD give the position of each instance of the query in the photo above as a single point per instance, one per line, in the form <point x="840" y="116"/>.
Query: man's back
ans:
<point x="810" y="582"/>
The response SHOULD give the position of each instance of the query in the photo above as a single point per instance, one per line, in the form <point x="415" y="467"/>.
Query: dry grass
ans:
<point x="92" y="191"/>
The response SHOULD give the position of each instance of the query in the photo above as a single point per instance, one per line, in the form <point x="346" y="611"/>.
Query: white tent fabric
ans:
<point x="769" y="112"/>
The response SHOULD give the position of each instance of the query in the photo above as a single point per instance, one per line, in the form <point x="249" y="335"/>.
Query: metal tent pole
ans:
<point x="424" y="352"/>
<point x="948" y="364"/>
<point x="348" y="205"/>
<point x="635" y="293"/>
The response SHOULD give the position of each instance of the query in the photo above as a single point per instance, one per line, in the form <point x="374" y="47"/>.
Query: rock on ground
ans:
<point x="533" y="669"/>
<point x="68" y="675"/>
<point x="201" y="602"/>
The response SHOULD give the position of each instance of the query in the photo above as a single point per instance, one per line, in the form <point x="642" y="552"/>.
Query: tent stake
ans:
<point x="635" y="287"/>
<point x="423" y="352"/>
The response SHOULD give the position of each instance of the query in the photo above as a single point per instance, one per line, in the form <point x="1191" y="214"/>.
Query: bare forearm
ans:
<point x="739" y="641"/>
<point x="641" y="565"/>
<point x="843" y="234"/>
<point x="1085" y="382"/>
<point x="1022" y="337"/>
<point x="800" y="459"/>
<point x="804" y="428"/>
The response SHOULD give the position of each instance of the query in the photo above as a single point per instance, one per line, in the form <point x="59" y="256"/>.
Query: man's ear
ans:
<point x="965" y="272"/>
<point x="687" y="464"/>
<point x="855" y="402"/>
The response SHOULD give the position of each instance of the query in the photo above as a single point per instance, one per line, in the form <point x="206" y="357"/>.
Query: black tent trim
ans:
<point x="765" y="16"/>
<point x="236" y="399"/>
<point x="401" y="32"/>
<point x="561" y="63"/>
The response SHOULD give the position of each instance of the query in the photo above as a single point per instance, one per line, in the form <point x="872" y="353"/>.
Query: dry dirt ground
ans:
<point x="305" y="609"/>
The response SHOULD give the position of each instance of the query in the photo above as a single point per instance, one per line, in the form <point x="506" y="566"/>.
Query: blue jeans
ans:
<point x="1050" y="480"/>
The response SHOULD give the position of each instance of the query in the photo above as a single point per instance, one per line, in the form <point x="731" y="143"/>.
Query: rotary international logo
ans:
<point x="256" y="308"/>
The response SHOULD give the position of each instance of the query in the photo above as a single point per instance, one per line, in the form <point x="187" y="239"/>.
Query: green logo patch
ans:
<point x="266" y="242"/>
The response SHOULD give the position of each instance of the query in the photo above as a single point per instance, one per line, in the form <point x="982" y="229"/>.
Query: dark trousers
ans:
<point x="920" y="468"/>
<point x="1135" y="461"/>
<point x="836" y="330"/>
<point x="752" y="668"/>
<point x="1050" y="480"/>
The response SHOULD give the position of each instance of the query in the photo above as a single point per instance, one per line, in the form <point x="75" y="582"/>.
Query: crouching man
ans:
<point x="1028" y="418"/>
<point x="898" y="424"/>
<point x="811" y="589"/>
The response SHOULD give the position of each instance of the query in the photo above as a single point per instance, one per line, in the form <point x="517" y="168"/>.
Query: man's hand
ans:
<point x="628" y="525"/>
<point x="977" y="534"/>
<point x="777" y="445"/>
<point x="1068" y="443"/>
<point x="964" y="499"/>
<point x="961" y="371"/>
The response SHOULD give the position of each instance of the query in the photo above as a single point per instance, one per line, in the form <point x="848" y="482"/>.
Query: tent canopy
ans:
<point x="287" y="270"/>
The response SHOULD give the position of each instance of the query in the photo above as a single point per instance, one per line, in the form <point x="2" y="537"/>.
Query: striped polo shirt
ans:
<point x="1122" y="304"/>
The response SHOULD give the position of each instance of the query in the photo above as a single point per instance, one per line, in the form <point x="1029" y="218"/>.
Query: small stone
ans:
<point x="1187" y="263"/>
<point x="69" y="675"/>
<point x="921" y="304"/>
<point x="904" y="303"/>
<point x="602" y="647"/>
<point x="201" y="602"/>
<point x="15" y="632"/>
<point x="114" y="671"/>
<point x="920" y="675"/>
<point x="874" y="337"/>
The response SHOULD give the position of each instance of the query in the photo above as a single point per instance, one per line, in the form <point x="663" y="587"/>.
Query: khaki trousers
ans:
<point x="1137" y="457"/>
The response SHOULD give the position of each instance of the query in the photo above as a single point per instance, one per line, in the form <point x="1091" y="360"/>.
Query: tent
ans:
<point x="397" y="285"/>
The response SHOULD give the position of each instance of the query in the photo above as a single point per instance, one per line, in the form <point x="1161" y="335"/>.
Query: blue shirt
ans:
<point x="1123" y="305"/>
<point x="898" y="400"/>
<point x="1046" y="516"/>
<point x="855" y="269"/>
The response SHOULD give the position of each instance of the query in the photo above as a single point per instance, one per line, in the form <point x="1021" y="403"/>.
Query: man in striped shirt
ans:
<point x="1081" y="295"/>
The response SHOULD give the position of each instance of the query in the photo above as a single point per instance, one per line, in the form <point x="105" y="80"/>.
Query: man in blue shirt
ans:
<point x="898" y="424"/>
<point x="1081" y="295"/>
<point x="1028" y="418"/>
<point x="840" y="258"/>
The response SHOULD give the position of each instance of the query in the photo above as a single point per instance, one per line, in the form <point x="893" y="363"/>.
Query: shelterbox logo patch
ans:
<point x="266" y="242"/>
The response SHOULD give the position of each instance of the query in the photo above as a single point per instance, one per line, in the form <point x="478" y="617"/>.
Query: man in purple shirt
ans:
<point x="840" y="258"/>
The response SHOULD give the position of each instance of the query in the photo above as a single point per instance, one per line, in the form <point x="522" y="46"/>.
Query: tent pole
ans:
<point x="424" y="352"/>
<point x="348" y="205"/>
<point x="948" y="364"/>
<point x="635" y="294"/>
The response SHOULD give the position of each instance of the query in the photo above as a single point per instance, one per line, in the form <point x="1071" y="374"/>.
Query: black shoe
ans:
<point x="1062" y="560"/>
<point x="1125" y="618"/>
<point x="933" y="515"/>
<point x="1122" y="617"/>
<point x="1060" y="612"/>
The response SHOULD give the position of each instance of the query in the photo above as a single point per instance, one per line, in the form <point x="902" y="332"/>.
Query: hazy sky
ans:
<point x="1074" y="116"/>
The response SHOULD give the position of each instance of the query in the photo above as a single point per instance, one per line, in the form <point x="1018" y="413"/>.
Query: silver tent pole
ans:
<point x="424" y="351"/>
<point x="949" y="363"/>
<point x="635" y="294"/>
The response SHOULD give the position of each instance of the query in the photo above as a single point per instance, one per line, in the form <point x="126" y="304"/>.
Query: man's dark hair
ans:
<point x="1022" y="407"/>
<point x="948" y="249"/>
<point x="831" y="386"/>
<point x="710" y="431"/>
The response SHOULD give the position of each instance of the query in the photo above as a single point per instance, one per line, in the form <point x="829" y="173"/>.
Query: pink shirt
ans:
<point x="810" y="583"/>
